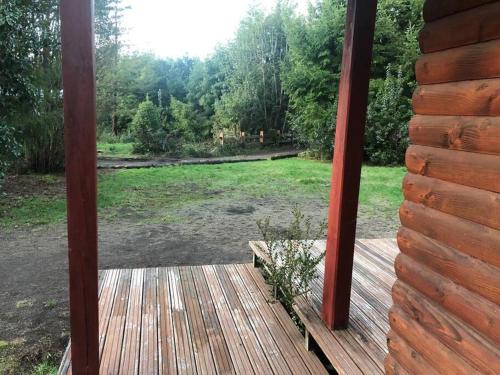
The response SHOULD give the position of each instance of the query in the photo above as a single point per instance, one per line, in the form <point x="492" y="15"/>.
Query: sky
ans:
<point x="176" y="28"/>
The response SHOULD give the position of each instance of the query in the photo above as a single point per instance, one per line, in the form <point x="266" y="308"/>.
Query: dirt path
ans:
<point x="130" y="163"/>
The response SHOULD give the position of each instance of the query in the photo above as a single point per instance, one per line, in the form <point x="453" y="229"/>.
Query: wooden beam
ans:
<point x="77" y="32"/>
<point x="472" y="26"/>
<point x="435" y="9"/>
<point x="348" y="156"/>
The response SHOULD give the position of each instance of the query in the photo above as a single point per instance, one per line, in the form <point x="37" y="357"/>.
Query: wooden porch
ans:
<point x="362" y="347"/>
<point x="195" y="320"/>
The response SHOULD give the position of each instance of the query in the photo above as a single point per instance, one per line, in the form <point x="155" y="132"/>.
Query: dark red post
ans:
<point x="347" y="160"/>
<point x="77" y="29"/>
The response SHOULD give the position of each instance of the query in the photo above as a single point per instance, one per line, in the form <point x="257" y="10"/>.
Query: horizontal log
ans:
<point x="404" y="354"/>
<point x="458" y="336"/>
<point x="462" y="133"/>
<point x="477" y="205"/>
<point x="473" y="239"/>
<point x="467" y="98"/>
<point x="465" y="168"/>
<point x="476" y="61"/>
<point x="443" y="359"/>
<point x="475" y="25"/>
<point x="471" y="273"/>
<point x="477" y="312"/>
<point x="435" y="9"/>
<point x="393" y="368"/>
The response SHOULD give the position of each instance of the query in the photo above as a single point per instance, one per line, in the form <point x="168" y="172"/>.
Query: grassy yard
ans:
<point x="115" y="149"/>
<point x="152" y="193"/>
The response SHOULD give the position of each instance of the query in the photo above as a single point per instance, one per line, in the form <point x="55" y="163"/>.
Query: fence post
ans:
<point x="261" y="137"/>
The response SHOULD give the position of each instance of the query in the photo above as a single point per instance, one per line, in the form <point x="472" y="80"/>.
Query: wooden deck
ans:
<point x="361" y="349"/>
<point x="195" y="320"/>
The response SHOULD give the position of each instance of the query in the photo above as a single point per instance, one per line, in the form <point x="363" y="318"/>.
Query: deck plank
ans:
<point x="110" y="358"/>
<point x="362" y="347"/>
<point x="266" y="333"/>
<point x="168" y="363"/>
<point x="195" y="320"/>
<point x="148" y="363"/>
<point x="185" y="356"/>
<point x="221" y="355"/>
<point x="129" y="360"/>
<point x="237" y="349"/>
<point x="310" y="359"/>
<point x="201" y="345"/>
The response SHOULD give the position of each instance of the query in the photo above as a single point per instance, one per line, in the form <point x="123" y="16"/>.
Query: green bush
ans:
<point x="9" y="149"/>
<point x="148" y="133"/>
<point x="387" y="121"/>
<point x="291" y="263"/>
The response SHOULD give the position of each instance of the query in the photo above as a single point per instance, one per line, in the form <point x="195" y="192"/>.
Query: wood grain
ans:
<point x="459" y="337"/>
<point x="467" y="98"/>
<point x="78" y="76"/>
<point x="347" y="160"/>
<point x="442" y="358"/>
<point x="469" y="238"/>
<point x="469" y="272"/>
<point x="465" y="168"/>
<point x="407" y="357"/>
<point x="479" y="206"/>
<point x="462" y="133"/>
<point x="475" y="25"/>
<point x="472" y="309"/>
<point x="476" y="61"/>
<point x="435" y="9"/>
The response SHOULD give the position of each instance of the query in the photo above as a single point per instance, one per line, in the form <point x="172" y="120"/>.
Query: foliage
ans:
<point x="30" y="83"/>
<point x="186" y="122"/>
<point x="9" y="149"/>
<point x="312" y="69"/>
<point x="254" y="98"/>
<point x="147" y="129"/>
<point x="388" y="116"/>
<point x="311" y="74"/>
<point x="291" y="263"/>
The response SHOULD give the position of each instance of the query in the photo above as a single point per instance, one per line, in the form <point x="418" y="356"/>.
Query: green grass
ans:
<point x="153" y="193"/>
<point x="115" y="149"/>
<point x="47" y="367"/>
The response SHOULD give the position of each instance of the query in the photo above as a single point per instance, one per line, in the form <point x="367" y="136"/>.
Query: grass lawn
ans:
<point x="151" y="193"/>
<point x="115" y="149"/>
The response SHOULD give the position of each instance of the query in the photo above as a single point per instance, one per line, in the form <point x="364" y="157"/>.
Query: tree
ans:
<point x="387" y="121"/>
<point x="311" y="74"/>
<point x="187" y="124"/>
<point x="147" y="129"/>
<point x="109" y="31"/>
<point x="9" y="149"/>
<point x="254" y="98"/>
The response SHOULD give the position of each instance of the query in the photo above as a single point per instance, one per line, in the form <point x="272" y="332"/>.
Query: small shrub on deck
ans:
<point x="291" y="263"/>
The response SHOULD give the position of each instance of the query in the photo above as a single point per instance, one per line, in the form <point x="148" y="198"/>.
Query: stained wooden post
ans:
<point x="77" y="29"/>
<point x="351" y="116"/>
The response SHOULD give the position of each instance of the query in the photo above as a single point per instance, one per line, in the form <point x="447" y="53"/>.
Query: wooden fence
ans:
<point x="264" y="137"/>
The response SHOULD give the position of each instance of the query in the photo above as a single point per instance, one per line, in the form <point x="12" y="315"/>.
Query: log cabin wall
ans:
<point x="446" y="302"/>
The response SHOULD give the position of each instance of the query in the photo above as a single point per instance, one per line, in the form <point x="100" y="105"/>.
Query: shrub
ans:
<point x="9" y="149"/>
<point x="147" y="130"/>
<point x="291" y="264"/>
<point x="387" y="122"/>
